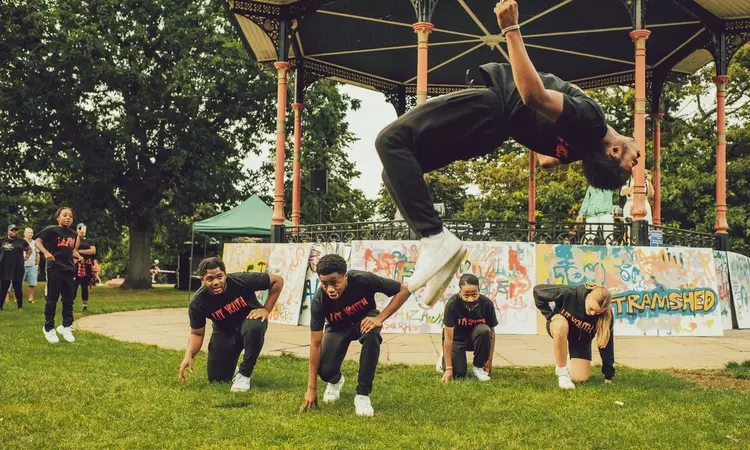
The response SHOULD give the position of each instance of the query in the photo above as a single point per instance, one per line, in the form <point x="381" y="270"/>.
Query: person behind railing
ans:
<point x="596" y="209"/>
<point x="627" y="191"/>
<point x="580" y="314"/>
<point x="552" y="117"/>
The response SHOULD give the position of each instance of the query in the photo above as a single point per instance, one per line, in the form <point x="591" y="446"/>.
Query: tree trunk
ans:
<point x="139" y="260"/>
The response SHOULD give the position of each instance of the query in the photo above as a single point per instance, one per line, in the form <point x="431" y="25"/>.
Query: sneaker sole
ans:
<point x="414" y="286"/>
<point x="450" y="269"/>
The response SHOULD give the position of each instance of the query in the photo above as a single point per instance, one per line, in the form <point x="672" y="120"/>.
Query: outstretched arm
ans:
<point x="370" y="323"/>
<point x="533" y="93"/>
<point x="547" y="162"/>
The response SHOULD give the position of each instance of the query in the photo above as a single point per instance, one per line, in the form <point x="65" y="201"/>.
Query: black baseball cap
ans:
<point x="12" y="227"/>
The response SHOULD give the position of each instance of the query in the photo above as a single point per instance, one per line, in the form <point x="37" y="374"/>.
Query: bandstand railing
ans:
<point x="617" y="233"/>
<point x="676" y="237"/>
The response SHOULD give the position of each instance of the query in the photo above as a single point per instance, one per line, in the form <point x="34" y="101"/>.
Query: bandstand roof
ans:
<point x="371" y="43"/>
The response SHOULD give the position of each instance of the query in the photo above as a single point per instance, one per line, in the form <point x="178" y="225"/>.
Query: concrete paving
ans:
<point x="168" y="328"/>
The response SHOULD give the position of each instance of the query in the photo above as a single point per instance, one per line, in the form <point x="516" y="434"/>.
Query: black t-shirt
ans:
<point x="354" y="303"/>
<point x="87" y="262"/>
<point x="463" y="316"/>
<point x="578" y="131"/>
<point x="228" y="310"/>
<point x="59" y="241"/>
<point x="12" y="254"/>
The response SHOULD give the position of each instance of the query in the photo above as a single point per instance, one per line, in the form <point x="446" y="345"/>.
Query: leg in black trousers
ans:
<point x="67" y="295"/>
<point x="457" y="126"/>
<point x="333" y="351"/>
<point x="458" y="359"/>
<point x="4" y="287"/>
<point x="253" y="334"/>
<point x="51" y="295"/>
<point x="83" y="282"/>
<point x="481" y="337"/>
<point x="18" y="290"/>
<point x="223" y="352"/>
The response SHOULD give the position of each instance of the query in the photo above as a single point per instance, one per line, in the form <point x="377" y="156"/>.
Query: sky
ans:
<point x="365" y="123"/>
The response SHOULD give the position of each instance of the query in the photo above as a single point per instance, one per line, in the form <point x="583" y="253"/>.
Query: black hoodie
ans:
<point x="570" y="302"/>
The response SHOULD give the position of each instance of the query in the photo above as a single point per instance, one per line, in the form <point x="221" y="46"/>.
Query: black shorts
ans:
<point x="576" y="349"/>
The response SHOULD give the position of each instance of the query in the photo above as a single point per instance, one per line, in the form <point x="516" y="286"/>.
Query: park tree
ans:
<point x="130" y="110"/>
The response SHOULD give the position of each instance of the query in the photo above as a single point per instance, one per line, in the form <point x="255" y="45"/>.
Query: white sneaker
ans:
<point x="67" y="333"/>
<point x="241" y="383"/>
<point x="363" y="406"/>
<point x="51" y="336"/>
<point x="437" y="284"/>
<point x="333" y="391"/>
<point x="434" y="252"/>
<point x="480" y="374"/>
<point x="563" y="378"/>
<point x="439" y="364"/>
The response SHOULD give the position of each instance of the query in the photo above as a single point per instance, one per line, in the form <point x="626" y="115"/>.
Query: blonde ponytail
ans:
<point x="604" y="298"/>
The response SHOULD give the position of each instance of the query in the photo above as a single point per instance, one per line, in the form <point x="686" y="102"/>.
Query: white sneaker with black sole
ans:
<point x="51" y="336"/>
<point x="333" y="391"/>
<point x="434" y="253"/>
<point x="480" y="374"/>
<point x="563" y="378"/>
<point x="241" y="383"/>
<point x="67" y="333"/>
<point x="363" y="406"/>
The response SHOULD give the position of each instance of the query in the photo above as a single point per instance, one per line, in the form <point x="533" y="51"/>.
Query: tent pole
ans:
<point x="190" y="266"/>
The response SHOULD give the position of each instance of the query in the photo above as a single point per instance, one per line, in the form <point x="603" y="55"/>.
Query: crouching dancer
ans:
<point x="239" y="321"/>
<point x="581" y="313"/>
<point x="345" y="303"/>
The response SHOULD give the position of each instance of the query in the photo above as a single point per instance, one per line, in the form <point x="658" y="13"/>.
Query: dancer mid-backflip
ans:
<point x="552" y="117"/>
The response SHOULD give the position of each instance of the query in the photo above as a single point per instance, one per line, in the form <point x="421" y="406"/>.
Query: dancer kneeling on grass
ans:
<point x="469" y="325"/>
<point x="59" y="245"/>
<point x="581" y="312"/>
<point x="345" y="303"/>
<point x="540" y="111"/>
<point x="239" y="321"/>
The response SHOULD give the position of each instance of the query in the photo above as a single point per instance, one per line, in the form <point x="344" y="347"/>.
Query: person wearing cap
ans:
<point x="13" y="252"/>
<point x="84" y="266"/>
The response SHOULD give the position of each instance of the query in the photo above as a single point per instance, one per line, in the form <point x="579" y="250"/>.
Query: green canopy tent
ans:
<point x="250" y="218"/>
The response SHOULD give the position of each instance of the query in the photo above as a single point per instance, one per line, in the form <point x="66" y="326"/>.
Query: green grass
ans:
<point x="740" y="370"/>
<point x="101" y="393"/>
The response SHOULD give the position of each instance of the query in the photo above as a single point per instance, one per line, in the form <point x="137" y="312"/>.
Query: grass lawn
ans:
<point x="101" y="393"/>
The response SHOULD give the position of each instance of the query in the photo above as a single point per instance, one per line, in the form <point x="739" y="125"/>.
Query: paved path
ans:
<point x="168" y="328"/>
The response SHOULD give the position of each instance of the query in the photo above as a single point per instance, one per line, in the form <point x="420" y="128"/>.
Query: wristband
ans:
<point x="449" y="368"/>
<point x="510" y="28"/>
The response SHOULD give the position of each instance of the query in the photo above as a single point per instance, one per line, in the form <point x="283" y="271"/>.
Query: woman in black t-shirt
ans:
<point x="469" y="321"/>
<point x="580" y="314"/>
<point x="59" y="245"/>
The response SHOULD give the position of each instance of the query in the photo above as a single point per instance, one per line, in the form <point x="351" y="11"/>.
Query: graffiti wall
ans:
<point x="312" y="283"/>
<point x="739" y="274"/>
<point x="289" y="261"/>
<point x="246" y="257"/>
<point x="505" y="272"/>
<point x="723" y="288"/>
<point x="656" y="291"/>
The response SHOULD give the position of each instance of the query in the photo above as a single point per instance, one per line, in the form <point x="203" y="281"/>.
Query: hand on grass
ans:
<point x="310" y="401"/>
<point x="370" y="323"/>
<point x="186" y="363"/>
<point x="447" y="376"/>
<point x="259" y="313"/>
<point x="488" y="367"/>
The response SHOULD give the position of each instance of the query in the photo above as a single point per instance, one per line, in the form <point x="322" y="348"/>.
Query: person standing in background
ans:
<point x="13" y="253"/>
<point x="84" y="266"/>
<point x="31" y="265"/>
<point x="597" y="209"/>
